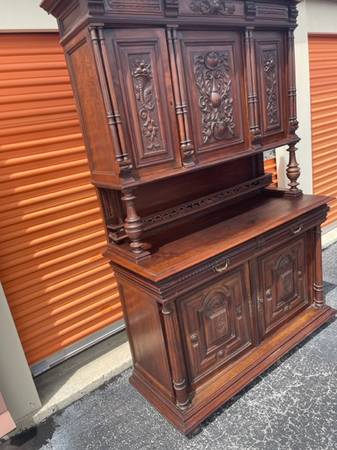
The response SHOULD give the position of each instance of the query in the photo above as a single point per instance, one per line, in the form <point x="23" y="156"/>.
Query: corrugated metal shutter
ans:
<point x="59" y="287"/>
<point x="270" y="167"/>
<point x="323" y="76"/>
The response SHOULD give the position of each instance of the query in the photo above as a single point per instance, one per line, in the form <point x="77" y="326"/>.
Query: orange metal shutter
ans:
<point x="270" y="167"/>
<point x="59" y="287"/>
<point x="323" y="76"/>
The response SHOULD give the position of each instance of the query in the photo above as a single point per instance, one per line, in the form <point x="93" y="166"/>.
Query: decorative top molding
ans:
<point x="213" y="7"/>
<point x="293" y="13"/>
<point x="134" y="7"/>
<point x="250" y="9"/>
<point x="171" y="8"/>
<point x="96" y="6"/>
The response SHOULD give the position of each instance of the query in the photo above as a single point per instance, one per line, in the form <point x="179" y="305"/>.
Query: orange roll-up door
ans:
<point x="59" y="287"/>
<point x="323" y="76"/>
<point x="270" y="167"/>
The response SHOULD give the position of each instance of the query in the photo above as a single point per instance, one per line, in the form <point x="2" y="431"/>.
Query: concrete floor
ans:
<point x="293" y="406"/>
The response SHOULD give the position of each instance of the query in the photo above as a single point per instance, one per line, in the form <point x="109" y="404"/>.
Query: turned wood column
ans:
<point x="133" y="225"/>
<point x="176" y="356"/>
<point x="319" y="301"/>
<point x="293" y="168"/>
<point x="186" y="146"/>
<point x="293" y="172"/>
<point x="253" y="106"/>
<point x="110" y="102"/>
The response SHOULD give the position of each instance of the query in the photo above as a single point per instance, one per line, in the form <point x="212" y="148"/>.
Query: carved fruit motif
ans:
<point x="212" y="73"/>
<point x="143" y="85"/>
<point x="213" y="7"/>
<point x="270" y="74"/>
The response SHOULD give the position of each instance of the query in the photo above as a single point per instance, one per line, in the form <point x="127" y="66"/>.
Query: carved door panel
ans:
<point x="283" y="284"/>
<point x="216" y="323"/>
<point x="141" y="74"/>
<point x="213" y="78"/>
<point x="270" y="55"/>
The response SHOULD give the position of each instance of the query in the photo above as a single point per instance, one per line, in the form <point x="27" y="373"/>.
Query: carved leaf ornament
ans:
<point x="143" y="85"/>
<point x="269" y="67"/>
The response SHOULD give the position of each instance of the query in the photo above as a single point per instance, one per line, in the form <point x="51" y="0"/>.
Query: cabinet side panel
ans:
<point x="92" y="112"/>
<point x="146" y="336"/>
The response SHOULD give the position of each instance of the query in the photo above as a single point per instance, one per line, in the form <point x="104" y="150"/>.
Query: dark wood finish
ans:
<point x="219" y="274"/>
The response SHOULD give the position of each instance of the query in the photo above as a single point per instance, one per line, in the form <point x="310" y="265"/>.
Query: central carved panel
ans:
<point x="284" y="274"/>
<point x="212" y="73"/>
<point x="216" y="317"/>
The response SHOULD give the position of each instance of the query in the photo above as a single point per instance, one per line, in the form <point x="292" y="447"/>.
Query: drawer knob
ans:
<point x="223" y="267"/>
<point x="297" y="230"/>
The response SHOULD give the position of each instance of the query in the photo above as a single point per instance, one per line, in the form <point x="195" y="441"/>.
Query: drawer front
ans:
<point x="216" y="322"/>
<point x="283" y="284"/>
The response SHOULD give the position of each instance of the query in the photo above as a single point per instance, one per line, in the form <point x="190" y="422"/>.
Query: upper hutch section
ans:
<point x="71" y="13"/>
<point x="171" y="86"/>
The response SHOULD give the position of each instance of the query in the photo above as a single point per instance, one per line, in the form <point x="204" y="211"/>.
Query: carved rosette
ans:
<point x="213" y="7"/>
<point x="147" y="110"/>
<point x="212" y="73"/>
<point x="270" y="75"/>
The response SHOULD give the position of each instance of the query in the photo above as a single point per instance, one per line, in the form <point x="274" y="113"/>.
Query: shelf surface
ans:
<point x="210" y="236"/>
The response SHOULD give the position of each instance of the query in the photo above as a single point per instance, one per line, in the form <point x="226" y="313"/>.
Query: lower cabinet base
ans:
<point x="220" y="388"/>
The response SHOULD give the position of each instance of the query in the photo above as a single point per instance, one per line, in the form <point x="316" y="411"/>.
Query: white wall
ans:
<point x="24" y="15"/>
<point x="16" y="382"/>
<point x="321" y="16"/>
<point x="315" y="16"/>
<point x="304" y="153"/>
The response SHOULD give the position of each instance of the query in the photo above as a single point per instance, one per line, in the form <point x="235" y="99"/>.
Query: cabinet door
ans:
<point x="141" y="73"/>
<point x="216" y="323"/>
<point x="213" y="77"/>
<point x="283" y="284"/>
<point x="272" y="77"/>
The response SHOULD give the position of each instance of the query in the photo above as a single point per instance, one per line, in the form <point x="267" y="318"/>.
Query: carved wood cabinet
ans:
<point x="219" y="273"/>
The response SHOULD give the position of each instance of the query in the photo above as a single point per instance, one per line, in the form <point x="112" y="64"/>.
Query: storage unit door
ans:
<point x="59" y="287"/>
<point x="271" y="167"/>
<point x="323" y="75"/>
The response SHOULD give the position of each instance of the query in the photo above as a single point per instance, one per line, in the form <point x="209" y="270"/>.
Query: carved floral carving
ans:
<point x="143" y="85"/>
<point x="270" y="76"/>
<point x="212" y="73"/>
<point x="213" y="7"/>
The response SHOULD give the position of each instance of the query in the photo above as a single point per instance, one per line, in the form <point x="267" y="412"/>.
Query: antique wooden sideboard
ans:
<point x="219" y="273"/>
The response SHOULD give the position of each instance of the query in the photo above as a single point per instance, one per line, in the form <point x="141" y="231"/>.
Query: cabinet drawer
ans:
<point x="283" y="280"/>
<point x="216" y="322"/>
